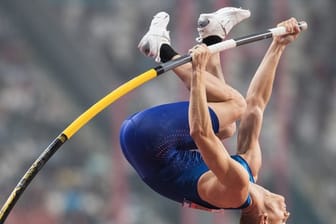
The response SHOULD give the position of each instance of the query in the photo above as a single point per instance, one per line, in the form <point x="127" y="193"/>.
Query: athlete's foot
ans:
<point x="156" y="36"/>
<point x="217" y="25"/>
<point x="214" y="27"/>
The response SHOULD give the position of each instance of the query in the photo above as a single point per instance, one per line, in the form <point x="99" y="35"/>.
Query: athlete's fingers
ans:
<point x="199" y="49"/>
<point x="200" y="55"/>
<point x="291" y="25"/>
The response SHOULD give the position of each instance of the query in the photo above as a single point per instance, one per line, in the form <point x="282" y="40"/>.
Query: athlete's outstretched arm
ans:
<point x="258" y="96"/>
<point x="230" y="176"/>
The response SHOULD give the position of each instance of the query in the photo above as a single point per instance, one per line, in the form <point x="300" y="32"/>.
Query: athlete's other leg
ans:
<point x="213" y="28"/>
<point x="214" y="67"/>
<point x="258" y="95"/>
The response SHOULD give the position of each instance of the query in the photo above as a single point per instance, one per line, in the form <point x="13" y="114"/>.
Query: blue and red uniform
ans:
<point x="157" y="143"/>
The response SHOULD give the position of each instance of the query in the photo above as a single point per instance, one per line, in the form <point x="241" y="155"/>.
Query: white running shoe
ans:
<point x="156" y="36"/>
<point x="220" y="22"/>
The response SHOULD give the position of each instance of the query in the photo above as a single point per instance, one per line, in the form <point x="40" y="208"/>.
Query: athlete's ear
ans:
<point x="264" y="219"/>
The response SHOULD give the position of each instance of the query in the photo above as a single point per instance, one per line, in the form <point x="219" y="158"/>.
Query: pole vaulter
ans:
<point x="122" y="90"/>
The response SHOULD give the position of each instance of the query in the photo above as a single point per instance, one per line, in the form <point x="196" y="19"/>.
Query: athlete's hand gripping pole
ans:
<point x="122" y="90"/>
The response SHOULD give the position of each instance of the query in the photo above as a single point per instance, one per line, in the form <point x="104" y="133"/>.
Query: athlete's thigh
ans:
<point x="225" y="117"/>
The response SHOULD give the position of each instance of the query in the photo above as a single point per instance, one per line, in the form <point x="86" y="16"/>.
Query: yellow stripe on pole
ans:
<point x="107" y="100"/>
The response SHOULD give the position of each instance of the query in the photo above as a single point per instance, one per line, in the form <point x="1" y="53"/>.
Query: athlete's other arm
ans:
<point x="258" y="96"/>
<point x="228" y="179"/>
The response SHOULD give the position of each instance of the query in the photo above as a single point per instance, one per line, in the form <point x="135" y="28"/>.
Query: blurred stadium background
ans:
<point x="58" y="57"/>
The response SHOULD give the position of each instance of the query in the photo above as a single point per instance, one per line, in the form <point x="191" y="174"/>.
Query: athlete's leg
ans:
<point x="214" y="67"/>
<point x="214" y="28"/>
<point x="226" y="101"/>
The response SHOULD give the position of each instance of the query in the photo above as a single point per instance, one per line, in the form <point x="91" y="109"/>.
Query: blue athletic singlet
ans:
<point x="157" y="143"/>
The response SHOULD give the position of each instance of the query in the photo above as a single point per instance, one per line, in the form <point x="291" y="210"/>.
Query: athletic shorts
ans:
<point x="157" y="143"/>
